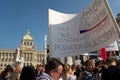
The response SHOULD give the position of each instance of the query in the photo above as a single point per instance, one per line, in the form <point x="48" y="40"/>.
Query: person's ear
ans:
<point x="52" y="72"/>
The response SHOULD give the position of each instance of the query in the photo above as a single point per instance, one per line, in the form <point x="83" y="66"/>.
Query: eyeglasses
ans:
<point x="58" y="73"/>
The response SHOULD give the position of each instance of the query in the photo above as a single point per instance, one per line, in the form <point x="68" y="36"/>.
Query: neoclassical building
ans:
<point x="27" y="51"/>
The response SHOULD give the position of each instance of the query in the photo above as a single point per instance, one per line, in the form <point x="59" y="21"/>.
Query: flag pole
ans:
<point x="111" y="14"/>
<point x="49" y="33"/>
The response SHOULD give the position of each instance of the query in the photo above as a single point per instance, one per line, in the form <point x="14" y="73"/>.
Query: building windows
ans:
<point x="2" y="59"/>
<point x="1" y="65"/>
<point x="3" y="54"/>
<point x="25" y="43"/>
<point x="9" y="59"/>
<point x="6" y="59"/>
<point x="30" y="43"/>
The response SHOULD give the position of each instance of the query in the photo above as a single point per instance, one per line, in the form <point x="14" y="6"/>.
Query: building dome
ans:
<point x="28" y="36"/>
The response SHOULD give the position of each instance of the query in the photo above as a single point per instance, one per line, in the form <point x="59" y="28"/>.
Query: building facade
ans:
<point x="28" y="53"/>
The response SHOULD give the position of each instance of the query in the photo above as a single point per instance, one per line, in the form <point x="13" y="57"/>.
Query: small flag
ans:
<point x="102" y="53"/>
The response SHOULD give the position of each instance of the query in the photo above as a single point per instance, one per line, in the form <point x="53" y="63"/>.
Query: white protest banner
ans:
<point x="118" y="42"/>
<point x="75" y="34"/>
<point x="77" y="62"/>
<point x="112" y="47"/>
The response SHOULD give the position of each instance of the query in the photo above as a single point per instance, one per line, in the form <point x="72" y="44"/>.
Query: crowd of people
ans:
<point x="55" y="70"/>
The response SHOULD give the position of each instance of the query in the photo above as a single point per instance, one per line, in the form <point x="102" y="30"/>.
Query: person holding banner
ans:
<point x="16" y="73"/>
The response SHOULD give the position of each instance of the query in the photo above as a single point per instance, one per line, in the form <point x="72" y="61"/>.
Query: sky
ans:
<point x="16" y="16"/>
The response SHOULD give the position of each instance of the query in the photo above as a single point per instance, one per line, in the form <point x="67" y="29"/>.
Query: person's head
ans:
<point x="73" y="67"/>
<point x="66" y="67"/>
<point x="111" y="62"/>
<point x="112" y="73"/>
<point x="40" y="68"/>
<point x="54" y="68"/>
<point x="9" y="68"/>
<point x="6" y="72"/>
<point x="18" y="67"/>
<point x="89" y="65"/>
<point x="27" y="73"/>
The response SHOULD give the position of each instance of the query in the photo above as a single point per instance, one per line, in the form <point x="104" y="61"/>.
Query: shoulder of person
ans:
<point x="43" y="76"/>
<point x="42" y="79"/>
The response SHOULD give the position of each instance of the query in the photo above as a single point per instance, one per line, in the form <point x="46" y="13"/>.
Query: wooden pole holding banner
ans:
<point x="111" y="14"/>
<point x="49" y="38"/>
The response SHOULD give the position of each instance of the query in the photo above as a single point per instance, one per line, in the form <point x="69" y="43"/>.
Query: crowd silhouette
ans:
<point x="91" y="69"/>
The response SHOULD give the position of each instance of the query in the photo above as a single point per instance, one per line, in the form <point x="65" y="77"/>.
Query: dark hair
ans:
<point x="27" y="73"/>
<point x="36" y="70"/>
<point x="112" y="73"/>
<point x="52" y="63"/>
<point x="109" y="60"/>
<point x="5" y="71"/>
